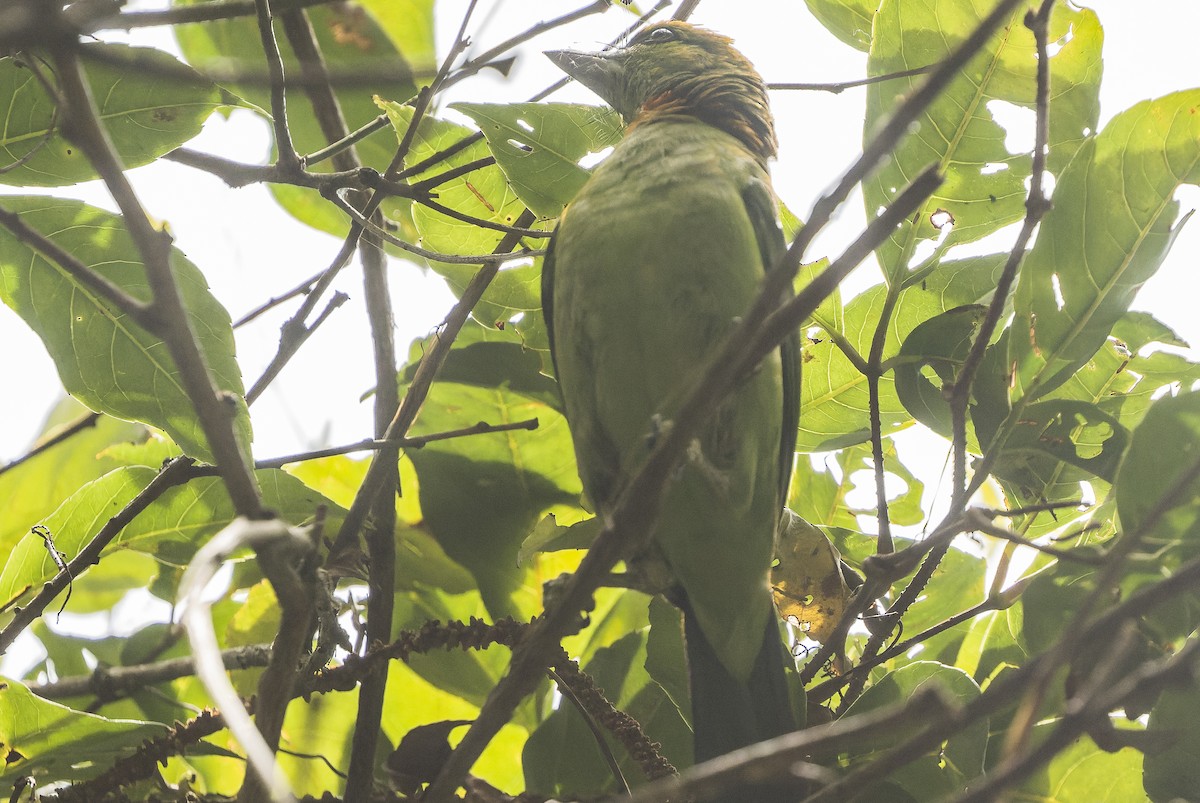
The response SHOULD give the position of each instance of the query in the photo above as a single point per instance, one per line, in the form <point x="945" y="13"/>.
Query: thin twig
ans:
<point x="111" y="683"/>
<point x="838" y="87"/>
<point x="477" y="63"/>
<point x="238" y="174"/>
<point x="287" y="155"/>
<point x="414" y="442"/>
<point x="62" y="435"/>
<point x="289" y="343"/>
<point x="365" y="222"/>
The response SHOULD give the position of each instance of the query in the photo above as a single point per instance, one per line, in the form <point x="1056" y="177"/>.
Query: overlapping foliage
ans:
<point x="1075" y="396"/>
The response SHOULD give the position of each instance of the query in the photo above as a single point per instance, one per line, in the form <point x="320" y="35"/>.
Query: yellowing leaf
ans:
<point x="807" y="581"/>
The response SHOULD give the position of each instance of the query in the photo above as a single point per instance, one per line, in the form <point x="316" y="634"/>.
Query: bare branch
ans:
<point x="112" y="683"/>
<point x="167" y="317"/>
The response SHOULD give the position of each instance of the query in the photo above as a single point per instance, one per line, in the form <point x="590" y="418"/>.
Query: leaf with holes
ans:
<point x="965" y="130"/>
<point x="539" y="146"/>
<point x="1062" y="430"/>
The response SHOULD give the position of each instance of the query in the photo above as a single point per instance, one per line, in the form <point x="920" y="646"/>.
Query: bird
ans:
<point x="650" y="268"/>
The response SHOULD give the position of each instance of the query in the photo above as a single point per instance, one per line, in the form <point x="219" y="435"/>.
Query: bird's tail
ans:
<point x="728" y="714"/>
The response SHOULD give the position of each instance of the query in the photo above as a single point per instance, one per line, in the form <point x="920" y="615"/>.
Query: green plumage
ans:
<point x="652" y="266"/>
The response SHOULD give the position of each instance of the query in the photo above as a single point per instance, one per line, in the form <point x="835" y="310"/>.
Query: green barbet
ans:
<point x="650" y="269"/>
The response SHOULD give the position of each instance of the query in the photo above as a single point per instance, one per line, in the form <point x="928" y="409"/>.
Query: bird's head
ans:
<point x="675" y="68"/>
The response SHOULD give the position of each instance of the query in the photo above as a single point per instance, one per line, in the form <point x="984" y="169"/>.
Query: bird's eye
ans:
<point x="659" y="35"/>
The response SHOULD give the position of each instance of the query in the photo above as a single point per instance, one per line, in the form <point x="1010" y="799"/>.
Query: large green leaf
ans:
<point x="1113" y="222"/>
<point x="945" y="770"/>
<point x="42" y="738"/>
<point x="104" y="359"/>
<point x="481" y="496"/>
<point x="1083" y="773"/>
<point x="1154" y="496"/>
<point x="1173" y="771"/>
<point x="539" y="145"/>
<point x="144" y="115"/>
<point x="984" y="185"/>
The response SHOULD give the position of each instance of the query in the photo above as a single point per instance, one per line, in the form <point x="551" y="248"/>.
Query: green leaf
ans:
<point x="171" y="529"/>
<point x="481" y="496"/>
<point x="848" y="20"/>
<point x="410" y="701"/>
<point x="666" y="654"/>
<point x="984" y="187"/>
<point x="144" y="115"/>
<point x="37" y="486"/>
<point x="857" y="463"/>
<point x="490" y="358"/>
<point x="323" y="726"/>
<point x="1075" y="285"/>
<point x="550" y="536"/>
<point x="833" y="393"/>
<point x="962" y="281"/>
<point x="539" y="145"/>
<point x="1172" y="772"/>
<point x="42" y="738"/>
<point x="1073" y="432"/>
<point x="991" y="640"/>
<point x="944" y="770"/>
<point x="1138" y="329"/>
<point x="104" y="585"/>
<point x="956" y="586"/>
<point x="929" y="361"/>
<point x="409" y="25"/>
<point x="103" y="358"/>
<point x="424" y="562"/>
<point x="1083" y="773"/>
<point x="1164" y="452"/>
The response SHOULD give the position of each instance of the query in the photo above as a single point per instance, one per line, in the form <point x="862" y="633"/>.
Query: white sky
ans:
<point x="249" y="249"/>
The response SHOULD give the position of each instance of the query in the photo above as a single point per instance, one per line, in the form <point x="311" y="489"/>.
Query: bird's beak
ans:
<point x="603" y="73"/>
